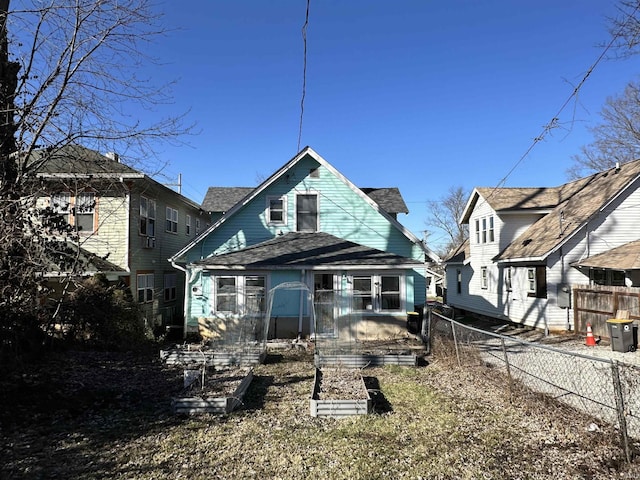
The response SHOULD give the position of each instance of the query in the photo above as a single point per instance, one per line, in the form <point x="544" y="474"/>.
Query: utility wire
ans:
<point x="304" y="72"/>
<point x="554" y="121"/>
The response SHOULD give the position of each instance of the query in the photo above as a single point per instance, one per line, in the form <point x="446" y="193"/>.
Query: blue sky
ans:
<point x="420" y="95"/>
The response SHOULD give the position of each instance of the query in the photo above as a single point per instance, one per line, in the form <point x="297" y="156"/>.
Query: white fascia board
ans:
<point x="468" y="208"/>
<point x="522" y="260"/>
<point x="331" y="268"/>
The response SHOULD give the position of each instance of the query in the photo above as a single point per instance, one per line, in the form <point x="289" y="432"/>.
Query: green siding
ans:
<point x="342" y="213"/>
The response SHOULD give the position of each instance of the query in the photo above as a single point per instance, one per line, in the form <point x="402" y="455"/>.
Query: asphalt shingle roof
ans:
<point x="624" y="257"/>
<point x="221" y="199"/>
<point x="389" y="199"/>
<point x="578" y="201"/>
<point x="78" y="160"/>
<point x="298" y="249"/>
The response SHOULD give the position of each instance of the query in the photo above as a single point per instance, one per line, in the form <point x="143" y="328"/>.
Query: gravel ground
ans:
<point x="567" y="341"/>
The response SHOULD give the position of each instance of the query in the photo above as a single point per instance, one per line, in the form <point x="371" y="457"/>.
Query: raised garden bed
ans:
<point x="192" y="355"/>
<point x="222" y="393"/>
<point x="370" y="353"/>
<point x="339" y="392"/>
<point x="364" y="360"/>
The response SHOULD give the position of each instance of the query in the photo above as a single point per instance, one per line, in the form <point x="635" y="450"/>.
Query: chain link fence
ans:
<point x="604" y="389"/>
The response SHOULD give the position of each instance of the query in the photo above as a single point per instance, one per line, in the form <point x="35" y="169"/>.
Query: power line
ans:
<point x="553" y="123"/>
<point x="304" y="72"/>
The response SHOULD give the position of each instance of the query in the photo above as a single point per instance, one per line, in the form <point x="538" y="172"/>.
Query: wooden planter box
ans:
<point x="194" y="404"/>
<point x="218" y="358"/>
<point x="335" y="406"/>
<point x="365" y="360"/>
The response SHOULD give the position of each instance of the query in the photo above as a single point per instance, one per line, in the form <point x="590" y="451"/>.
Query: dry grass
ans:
<point x="86" y="416"/>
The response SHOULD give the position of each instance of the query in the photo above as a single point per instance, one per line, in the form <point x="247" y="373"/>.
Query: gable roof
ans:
<point x="459" y="255"/>
<point x="307" y="151"/>
<point x="221" y="199"/>
<point x="307" y="249"/>
<point x="76" y="160"/>
<point x="534" y="199"/>
<point x="578" y="202"/>
<point x="624" y="257"/>
<point x="91" y="262"/>
<point x="389" y="199"/>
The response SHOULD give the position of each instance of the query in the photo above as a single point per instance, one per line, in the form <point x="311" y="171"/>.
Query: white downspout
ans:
<point x="186" y="293"/>
<point x="301" y="308"/>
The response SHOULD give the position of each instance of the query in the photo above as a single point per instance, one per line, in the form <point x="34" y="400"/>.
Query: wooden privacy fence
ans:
<point x="595" y="304"/>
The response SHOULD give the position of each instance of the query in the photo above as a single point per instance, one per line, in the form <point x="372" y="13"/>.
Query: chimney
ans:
<point x="113" y="156"/>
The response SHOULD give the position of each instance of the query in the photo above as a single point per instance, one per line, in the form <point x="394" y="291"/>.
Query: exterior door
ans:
<point x="324" y="303"/>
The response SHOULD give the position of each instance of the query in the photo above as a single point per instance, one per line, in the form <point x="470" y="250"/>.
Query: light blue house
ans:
<point x="310" y="227"/>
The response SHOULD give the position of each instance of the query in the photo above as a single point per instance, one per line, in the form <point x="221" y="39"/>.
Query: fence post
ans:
<point x="506" y="361"/>
<point x="426" y="331"/>
<point x="622" y="421"/>
<point x="455" y="342"/>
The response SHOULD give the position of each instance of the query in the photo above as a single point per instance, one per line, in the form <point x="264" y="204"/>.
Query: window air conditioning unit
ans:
<point x="148" y="242"/>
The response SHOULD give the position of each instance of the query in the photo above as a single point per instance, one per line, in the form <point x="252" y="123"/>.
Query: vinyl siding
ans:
<point x="342" y="213"/>
<point x="615" y="226"/>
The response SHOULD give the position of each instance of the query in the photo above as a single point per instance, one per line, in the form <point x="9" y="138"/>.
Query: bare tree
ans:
<point x="69" y="75"/>
<point x="616" y="138"/>
<point x="444" y="215"/>
<point x="625" y="29"/>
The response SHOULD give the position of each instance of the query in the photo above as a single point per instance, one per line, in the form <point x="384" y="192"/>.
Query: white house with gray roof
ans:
<point x="528" y="246"/>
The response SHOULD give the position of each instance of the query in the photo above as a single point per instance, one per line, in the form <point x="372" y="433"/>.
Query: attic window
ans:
<point x="314" y="173"/>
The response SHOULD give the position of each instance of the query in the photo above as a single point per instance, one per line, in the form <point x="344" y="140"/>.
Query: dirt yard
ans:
<point x="89" y="415"/>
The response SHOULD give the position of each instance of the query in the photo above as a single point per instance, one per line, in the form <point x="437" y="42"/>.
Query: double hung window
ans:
<point x="170" y="287"/>
<point x="277" y="210"/>
<point x="145" y="287"/>
<point x="307" y="213"/>
<point x="78" y="211"/>
<point x="172" y="220"/>
<point x="147" y="217"/>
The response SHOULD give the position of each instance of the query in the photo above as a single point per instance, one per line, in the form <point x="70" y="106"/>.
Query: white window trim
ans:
<point x="376" y="294"/>
<point x="146" y="287"/>
<point x="282" y="198"/>
<point x="69" y="212"/>
<point x="148" y="217"/>
<point x="508" y="279"/>
<point x="309" y="192"/>
<point x="485" y="229"/>
<point x="240" y="294"/>
<point x="187" y="225"/>
<point x="531" y="280"/>
<point x="170" y="211"/>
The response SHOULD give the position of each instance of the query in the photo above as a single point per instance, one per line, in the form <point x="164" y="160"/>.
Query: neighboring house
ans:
<point x="528" y="246"/>
<point x="306" y="225"/>
<point x="125" y="217"/>
<point x="434" y="283"/>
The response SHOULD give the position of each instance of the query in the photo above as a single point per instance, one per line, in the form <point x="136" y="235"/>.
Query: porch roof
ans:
<point x="305" y="250"/>
<point x="624" y="257"/>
